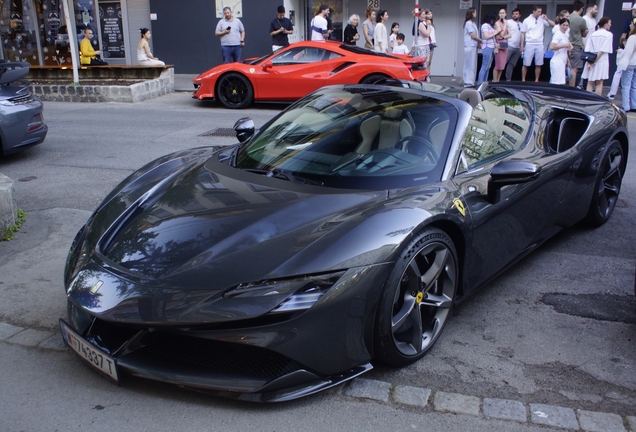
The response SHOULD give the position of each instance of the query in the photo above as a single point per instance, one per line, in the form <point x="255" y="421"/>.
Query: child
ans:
<point x="395" y="29"/>
<point x="400" y="48"/>
<point x="617" y="75"/>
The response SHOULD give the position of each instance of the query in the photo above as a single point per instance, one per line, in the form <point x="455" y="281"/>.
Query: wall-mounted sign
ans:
<point x="465" y="4"/>
<point x="112" y="30"/>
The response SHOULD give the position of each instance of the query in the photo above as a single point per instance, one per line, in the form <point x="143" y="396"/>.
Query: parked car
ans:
<point x="297" y="70"/>
<point x="21" y="121"/>
<point x="340" y="233"/>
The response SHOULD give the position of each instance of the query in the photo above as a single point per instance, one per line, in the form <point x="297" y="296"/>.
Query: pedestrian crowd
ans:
<point x="578" y="50"/>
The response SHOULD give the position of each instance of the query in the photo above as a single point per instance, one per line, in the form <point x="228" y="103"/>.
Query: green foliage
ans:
<point x="15" y="227"/>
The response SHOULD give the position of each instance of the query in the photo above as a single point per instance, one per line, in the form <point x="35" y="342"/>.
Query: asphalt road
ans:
<point x="558" y="328"/>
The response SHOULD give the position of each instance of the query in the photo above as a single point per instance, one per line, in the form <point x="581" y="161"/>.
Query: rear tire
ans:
<point x="607" y="186"/>
<point x="417" y="299"/>
<point x="234" y="91"/>
<point x="373" y="78"/>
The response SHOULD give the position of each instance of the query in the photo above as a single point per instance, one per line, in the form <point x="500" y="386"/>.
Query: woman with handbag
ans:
<point x="501" y="56"/>
<point x="600" y="42"/>
<point x="422" y="46"/>
<point x="488" y="45"/>
<point x="368" y="26"/>
<point x="560" y="44"/>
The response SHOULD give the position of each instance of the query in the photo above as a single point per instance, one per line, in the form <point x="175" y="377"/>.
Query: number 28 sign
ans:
<point x="375" y="4"/>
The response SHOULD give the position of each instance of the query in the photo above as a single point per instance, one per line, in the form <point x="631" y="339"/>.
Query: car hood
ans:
<point x="206" y="229"/>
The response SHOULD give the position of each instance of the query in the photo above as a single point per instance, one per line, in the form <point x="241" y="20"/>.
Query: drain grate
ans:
<point x="220" y="132"/>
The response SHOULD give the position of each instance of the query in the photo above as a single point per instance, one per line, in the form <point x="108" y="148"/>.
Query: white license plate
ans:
<point x="89" y="352"/>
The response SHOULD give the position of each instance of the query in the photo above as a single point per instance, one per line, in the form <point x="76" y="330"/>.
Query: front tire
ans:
<point x="234" y="91"/>
<point x="417" y="299"/>
<point x="607" y="185"/>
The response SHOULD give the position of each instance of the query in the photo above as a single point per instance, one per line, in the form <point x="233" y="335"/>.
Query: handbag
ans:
<point x="503" y="44"/>
<point x="588" y="57"/>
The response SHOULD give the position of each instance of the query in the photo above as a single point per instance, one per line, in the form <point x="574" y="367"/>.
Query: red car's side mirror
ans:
<point x="267" y="65"/>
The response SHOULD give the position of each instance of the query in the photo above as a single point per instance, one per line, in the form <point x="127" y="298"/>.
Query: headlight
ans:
<point x="294" y="294"/>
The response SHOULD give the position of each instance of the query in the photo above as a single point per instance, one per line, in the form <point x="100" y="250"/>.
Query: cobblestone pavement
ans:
<point x="422" y="398"/>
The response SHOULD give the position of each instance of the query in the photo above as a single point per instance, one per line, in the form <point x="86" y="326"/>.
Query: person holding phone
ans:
<point x="232" y="34"/>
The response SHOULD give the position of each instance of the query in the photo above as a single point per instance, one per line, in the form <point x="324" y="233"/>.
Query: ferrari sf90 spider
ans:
<point x="342" y="232"/>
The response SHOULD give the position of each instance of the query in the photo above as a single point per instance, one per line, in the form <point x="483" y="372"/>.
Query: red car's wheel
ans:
<point x="373" y="78"/>
<point x="234" y="91"/>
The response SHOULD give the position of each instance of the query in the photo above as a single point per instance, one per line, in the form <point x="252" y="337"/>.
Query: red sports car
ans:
<point x="301" y="68"/>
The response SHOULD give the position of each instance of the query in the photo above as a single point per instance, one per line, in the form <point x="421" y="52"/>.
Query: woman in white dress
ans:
<point x="599" y="42"/>
<point x="380" y="35"/>
<point x="560" y="44"/>
<point x="144" y="56"/>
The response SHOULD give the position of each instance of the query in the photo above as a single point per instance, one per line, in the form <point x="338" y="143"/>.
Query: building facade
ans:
<point x="183" y="31"/>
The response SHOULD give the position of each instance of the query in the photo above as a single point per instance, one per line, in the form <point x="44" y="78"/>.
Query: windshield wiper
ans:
<point x="285" y="175"/>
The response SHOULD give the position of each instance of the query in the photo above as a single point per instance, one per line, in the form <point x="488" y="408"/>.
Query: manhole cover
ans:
<point x="220" y="132"/>
<point x="26" y="179"/>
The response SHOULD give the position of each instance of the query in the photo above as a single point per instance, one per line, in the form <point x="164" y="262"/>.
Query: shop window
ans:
<point x="18" y="32"/>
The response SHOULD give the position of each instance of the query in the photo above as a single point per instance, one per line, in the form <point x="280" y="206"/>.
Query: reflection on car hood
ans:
<point x="200" y="224"/>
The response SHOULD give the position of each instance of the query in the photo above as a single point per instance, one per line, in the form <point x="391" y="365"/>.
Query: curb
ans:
<point x="8" y="207"/>
<point x="149" y="89"/>
<point x="500" y="409"/>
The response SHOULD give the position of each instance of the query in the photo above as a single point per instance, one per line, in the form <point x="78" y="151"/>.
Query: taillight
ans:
<point x="36" y="122"/>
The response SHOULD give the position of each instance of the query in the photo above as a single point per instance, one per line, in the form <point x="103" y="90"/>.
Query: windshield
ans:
<point x="354" y="137"/>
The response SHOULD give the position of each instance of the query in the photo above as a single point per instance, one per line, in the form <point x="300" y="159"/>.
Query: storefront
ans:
<point x="183" y="32"/>
<point x="35" y="31"/>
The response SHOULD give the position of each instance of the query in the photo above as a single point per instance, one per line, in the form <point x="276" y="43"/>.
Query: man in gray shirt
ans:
<point x="232" y="35"/>
<point x="578" y="30"/>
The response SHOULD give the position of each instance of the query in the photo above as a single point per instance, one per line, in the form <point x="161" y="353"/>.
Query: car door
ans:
<point x="500" y="131"/>
<point x="291" y="74"/>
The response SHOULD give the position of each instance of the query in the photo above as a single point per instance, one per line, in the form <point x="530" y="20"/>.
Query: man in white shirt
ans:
<point x="319" y="30"/>
<point x="514" y="42"/>
<point x="533" y="48"/>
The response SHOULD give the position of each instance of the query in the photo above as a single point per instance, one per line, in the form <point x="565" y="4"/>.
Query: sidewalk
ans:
<point x="183" y="82"/>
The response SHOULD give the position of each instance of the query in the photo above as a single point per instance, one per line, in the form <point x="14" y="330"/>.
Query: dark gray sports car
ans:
<point x="21" y="121"/>
<point x="341" y="232"/>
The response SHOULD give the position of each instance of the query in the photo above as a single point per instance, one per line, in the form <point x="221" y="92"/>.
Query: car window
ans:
<point x="497" y="127"/>
<point x="299" y="55"/>
<point x="356" y="138"/>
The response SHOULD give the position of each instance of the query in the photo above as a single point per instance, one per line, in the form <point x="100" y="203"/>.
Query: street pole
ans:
<point x="417" y="15"/>
<point x="72" y="32"/>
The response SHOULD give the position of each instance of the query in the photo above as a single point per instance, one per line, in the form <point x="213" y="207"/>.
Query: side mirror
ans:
<point x="508" y="173"/>
<point x="244" y="128"/>
<point x="267" y="65"/>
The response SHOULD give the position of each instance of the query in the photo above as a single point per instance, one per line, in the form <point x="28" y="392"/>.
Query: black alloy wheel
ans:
<point x="373" y="78"/>
<point x="608" y="184"/>
<point x="417" y="299"/>
<point x="234" y="91"/>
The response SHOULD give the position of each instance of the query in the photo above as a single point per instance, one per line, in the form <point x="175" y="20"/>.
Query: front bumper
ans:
<point x="252" y="359"/>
